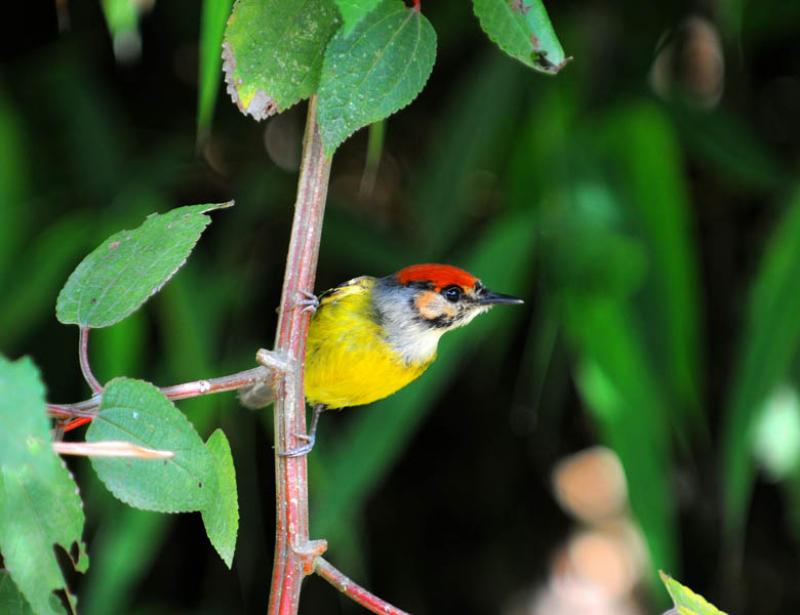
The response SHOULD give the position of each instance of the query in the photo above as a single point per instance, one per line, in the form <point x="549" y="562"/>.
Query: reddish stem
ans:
<point x="236" y="381"/>
<point x="75" y="423"/>
<point x="83" y="358"/>
<point x="239" y="380"/>
<point x="352" y="590"/>
<point x="291" y="532"/>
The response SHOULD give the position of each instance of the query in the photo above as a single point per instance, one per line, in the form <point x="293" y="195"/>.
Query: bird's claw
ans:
<point x="273" y="360"/>
<point x="309" y="301"/>
<point x="303" y="449"/>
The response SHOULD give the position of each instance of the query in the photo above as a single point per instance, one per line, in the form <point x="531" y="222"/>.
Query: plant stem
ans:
<point x="352" y="590"/>
<point x="239" y="380"/>
<point x="233" y="382"/>
<point x="292" y="546"/>
<point x="83" y="358"/>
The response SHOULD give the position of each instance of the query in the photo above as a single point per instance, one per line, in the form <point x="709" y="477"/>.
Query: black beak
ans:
<point x="490" y="298"/>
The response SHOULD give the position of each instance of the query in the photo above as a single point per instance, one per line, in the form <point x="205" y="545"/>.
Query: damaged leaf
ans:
<point x="272" y="52"/>
<point x="522" y="29"/>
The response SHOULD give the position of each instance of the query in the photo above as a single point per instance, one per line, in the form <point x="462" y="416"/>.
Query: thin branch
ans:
<point x="294" y="552"/>
<point x="236" y="381"/>
<point x="196" y="388"/>
<point x="353" y="590"/>
<point x="110" y="448"/>
<point x="83" y="357"/>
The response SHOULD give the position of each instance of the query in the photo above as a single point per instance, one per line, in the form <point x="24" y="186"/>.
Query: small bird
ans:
<point x="370" y="337"/>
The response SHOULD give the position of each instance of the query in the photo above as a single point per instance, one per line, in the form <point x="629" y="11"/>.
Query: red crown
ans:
<point x="438" y="275"/>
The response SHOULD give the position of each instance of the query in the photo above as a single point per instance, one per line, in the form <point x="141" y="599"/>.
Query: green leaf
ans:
<point x="39" y="502"/>
<point x="770" y="342"/>
<point x="212" y="28"/>
<point x="130" y="266"/>
<point x="184" y="309"/>
<point x="353" y="11"/>
<point x="272" y="54"/>
<point x="686" y="601"/>
<point x="375" y="71"/>
<point x="221" y="517"/>
<point x="12" y="602"/>
<point x="136" y="411"/>
<point x="523" y="30"/>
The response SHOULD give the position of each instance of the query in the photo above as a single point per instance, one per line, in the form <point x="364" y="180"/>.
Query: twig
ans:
<point x="353" y="590"/>
<point x="236" y="381"/>
<point x="83" y="357"/>
<point x="110" y="448"/>
<point x="239" y="380"/>
<point x="293" y="550"/>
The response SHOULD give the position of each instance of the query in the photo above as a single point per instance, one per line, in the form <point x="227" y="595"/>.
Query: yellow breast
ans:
<point x="348" y="361"/>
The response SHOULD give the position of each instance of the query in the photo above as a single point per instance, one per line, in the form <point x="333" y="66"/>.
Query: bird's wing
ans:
<point x="356" y="286"/>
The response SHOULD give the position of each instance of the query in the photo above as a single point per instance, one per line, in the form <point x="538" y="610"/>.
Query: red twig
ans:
<point x="292" y="546"/>
<point x="355" y="592"/>
<point x="75" y="423"/>
<point x="83" y="357"/>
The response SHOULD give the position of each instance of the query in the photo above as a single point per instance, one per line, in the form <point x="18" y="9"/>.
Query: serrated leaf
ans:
<point x="130" y="266"/>
<point x="39" y="502"/>
<point x="375" y="71"/>
<point x="221" y="517"/>
<point x="272" y="52"/>
<point x="137" y="412"/>
<point x="686" y="601"/>
<point x="353" y="11"/>
<point x="522" y="29"/>
<point x="12" y="602"/>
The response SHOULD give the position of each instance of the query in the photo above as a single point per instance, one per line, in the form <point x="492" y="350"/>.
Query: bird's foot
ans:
<point x="303" y="449"/>
<point x="276" y="361"/>
<point x="308" y="301"/>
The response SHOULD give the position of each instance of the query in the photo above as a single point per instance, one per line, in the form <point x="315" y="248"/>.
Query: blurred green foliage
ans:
<point x="655" y="242"/>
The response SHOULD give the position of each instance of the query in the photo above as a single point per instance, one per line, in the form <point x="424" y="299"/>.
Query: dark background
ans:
<point x="440" y="498"/>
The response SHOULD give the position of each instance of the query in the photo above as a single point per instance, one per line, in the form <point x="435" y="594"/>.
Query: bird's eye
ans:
<point x="452" y="293"/>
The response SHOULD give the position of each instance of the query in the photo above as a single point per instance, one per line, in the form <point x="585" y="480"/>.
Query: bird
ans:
<point x="371" y="336"/>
